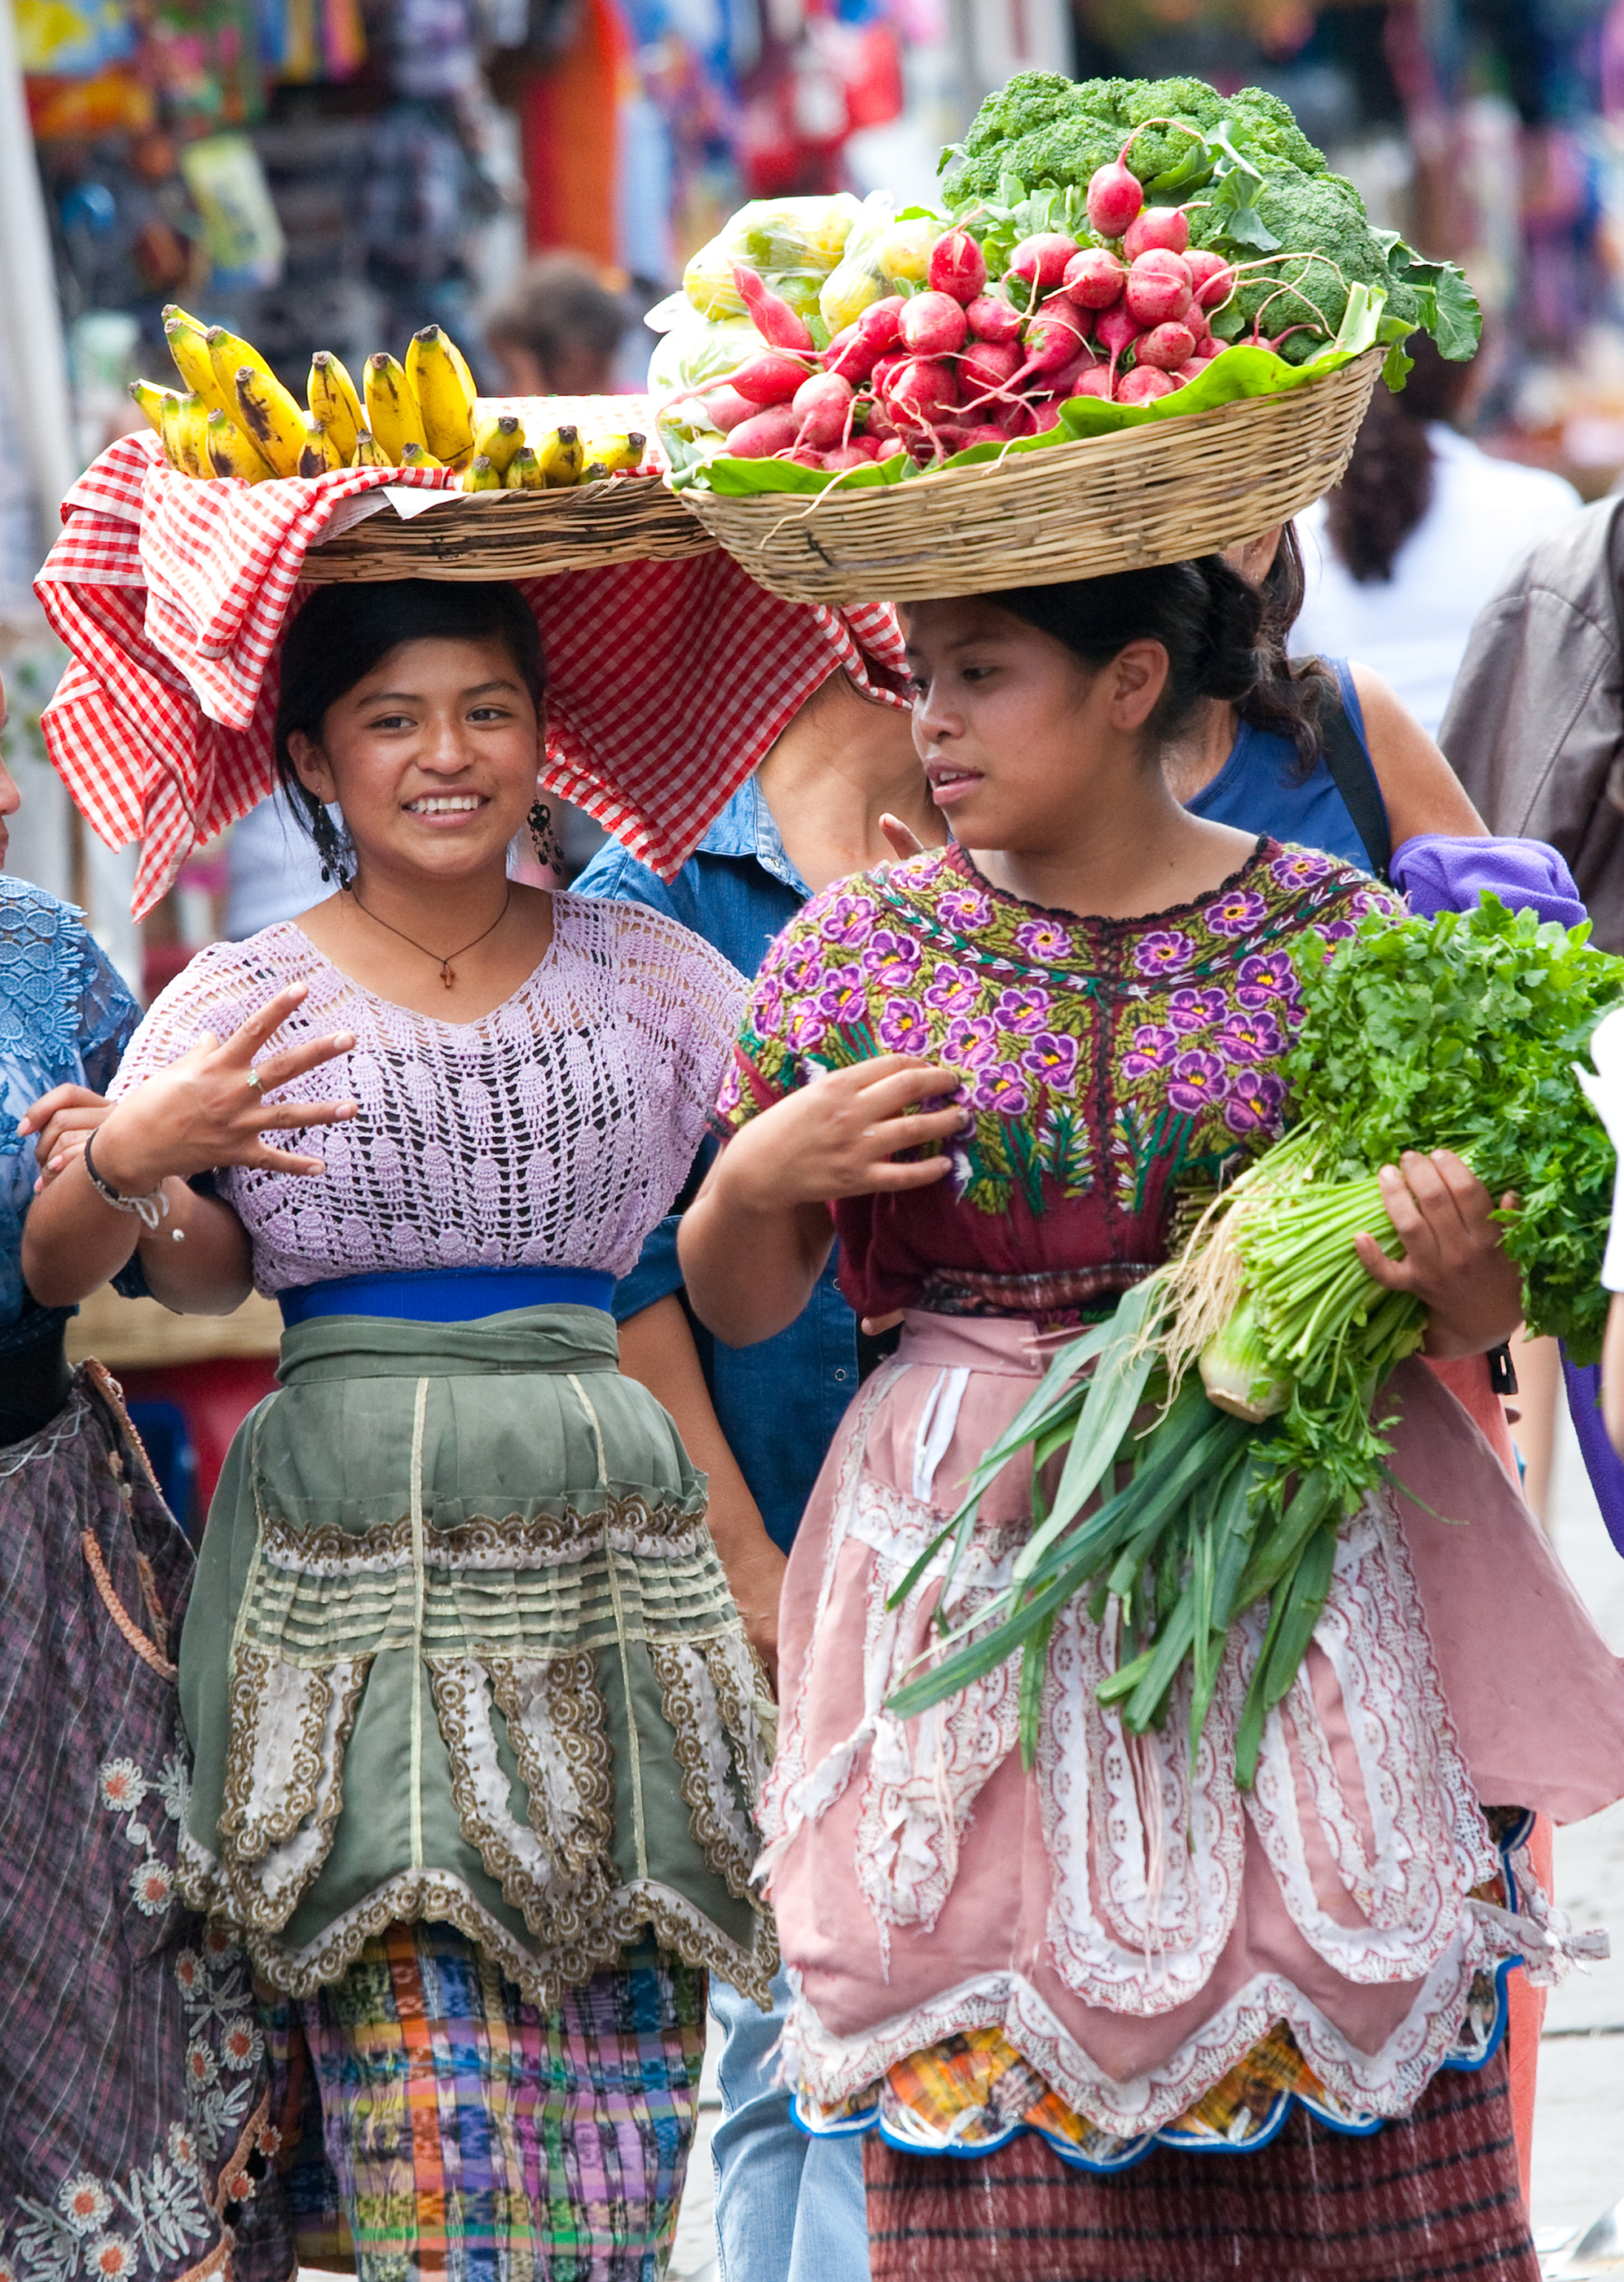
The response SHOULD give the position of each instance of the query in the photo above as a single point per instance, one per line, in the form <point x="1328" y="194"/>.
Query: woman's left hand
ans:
<point x="64" y="1119"/>
<point x="1453" y="1261"/>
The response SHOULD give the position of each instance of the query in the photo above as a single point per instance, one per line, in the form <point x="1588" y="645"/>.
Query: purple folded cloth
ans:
<point x="1438" y="874"/>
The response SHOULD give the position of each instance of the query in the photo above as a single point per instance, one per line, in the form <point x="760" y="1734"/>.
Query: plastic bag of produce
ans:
<point x="695" y="351"/>
<point x="882" y="255"/>
<point x="793" y="244"/>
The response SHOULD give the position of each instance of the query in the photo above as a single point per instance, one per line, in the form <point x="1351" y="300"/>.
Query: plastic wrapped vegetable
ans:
<point x="791" y="244"/>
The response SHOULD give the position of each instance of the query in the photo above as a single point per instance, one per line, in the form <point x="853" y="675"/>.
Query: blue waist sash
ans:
<point x="446" y="1295"/>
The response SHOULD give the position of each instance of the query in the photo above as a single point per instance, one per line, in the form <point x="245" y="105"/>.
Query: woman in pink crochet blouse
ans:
<point x="477" y="1728"/>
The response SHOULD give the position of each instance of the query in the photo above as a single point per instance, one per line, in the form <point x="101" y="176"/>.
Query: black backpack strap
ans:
<point x="1353" y="775"/>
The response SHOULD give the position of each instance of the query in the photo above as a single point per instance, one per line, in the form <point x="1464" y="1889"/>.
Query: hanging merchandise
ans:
<point x="241" y="232"/>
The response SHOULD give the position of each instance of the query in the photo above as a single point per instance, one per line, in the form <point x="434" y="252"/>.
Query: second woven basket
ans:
<point x="1160" y="493"/>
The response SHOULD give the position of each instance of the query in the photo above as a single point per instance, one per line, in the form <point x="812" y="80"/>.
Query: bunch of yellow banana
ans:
<point x="233" y="417"/>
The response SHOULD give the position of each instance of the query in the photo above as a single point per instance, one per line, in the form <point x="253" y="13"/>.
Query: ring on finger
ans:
<point x="253" y="1081"/>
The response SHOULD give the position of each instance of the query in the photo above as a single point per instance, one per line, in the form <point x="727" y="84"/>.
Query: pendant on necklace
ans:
<point x="448" y="973"/>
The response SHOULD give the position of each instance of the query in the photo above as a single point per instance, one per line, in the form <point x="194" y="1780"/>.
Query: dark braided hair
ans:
<point x="1387" y="488"/>
<point x="1290" y="691"/>
<point x="1210" y="621"/>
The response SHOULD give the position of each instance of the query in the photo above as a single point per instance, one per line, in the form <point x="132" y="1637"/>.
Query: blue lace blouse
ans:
<point x="66" y="1019"/>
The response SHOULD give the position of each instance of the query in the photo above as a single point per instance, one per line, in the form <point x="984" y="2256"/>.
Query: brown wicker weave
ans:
<point x="1156" y="494"/>
<point x="517" y="535"/>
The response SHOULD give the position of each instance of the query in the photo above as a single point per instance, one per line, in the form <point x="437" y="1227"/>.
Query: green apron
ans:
<point x="461" y="1648"/>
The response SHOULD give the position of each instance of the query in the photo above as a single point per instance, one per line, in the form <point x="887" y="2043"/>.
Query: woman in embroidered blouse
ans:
<point x="476" y="1722"/>
<point x="1117" y="1959"/>
<point x="133" y="2094"/>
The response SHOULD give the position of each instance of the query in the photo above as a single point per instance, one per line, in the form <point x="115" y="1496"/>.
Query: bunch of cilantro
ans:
<point x="1461" y="1032"/>
<point x="1255" y="190"/>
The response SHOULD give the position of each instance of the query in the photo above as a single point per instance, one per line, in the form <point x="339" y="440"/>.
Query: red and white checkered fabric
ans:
<point x="667" y="681"/>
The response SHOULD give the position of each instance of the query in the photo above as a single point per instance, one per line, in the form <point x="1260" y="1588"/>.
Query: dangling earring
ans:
<point x="549" y="847"/>
<point x="330" y="847"/>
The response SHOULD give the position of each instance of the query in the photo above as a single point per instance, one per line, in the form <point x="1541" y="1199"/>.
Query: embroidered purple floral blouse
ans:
<point x="1112" y="1065"/>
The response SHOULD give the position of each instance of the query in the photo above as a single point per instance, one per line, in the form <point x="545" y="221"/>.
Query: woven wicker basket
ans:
<point x="1156" y="494"/>
<point x="517" y="535"/>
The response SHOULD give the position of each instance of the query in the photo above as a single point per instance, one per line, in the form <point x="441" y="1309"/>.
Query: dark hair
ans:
<point x="342" y="632"/>
<point x="1207" y="617"/>
<point x="1386" y="487"/>
<point x="558" y="302"/>
<point x="1290" y="691"/>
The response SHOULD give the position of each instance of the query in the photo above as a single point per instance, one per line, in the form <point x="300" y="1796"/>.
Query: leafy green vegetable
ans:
<point x="1460" y="1031"/>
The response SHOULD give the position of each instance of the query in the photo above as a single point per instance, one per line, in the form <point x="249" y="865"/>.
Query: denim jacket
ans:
<point x="777" y="1402"/>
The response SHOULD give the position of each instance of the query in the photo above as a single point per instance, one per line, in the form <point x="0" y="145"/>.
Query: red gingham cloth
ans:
<point x="667" y="681"/>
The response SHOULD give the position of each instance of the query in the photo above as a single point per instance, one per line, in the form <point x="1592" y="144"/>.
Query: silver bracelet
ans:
<point x="149" y="1210"/>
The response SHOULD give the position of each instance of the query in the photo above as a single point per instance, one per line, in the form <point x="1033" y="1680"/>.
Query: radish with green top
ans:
<point x="1115" y="197"/>
<point x="958" y="266"/>
<point x="991" y="318"/>
<point x="1094" y="278"/>
<point x="1212" y="277"/>
<point x="1041" y="262"/>
<point x="823" y="405"/>
<point x="1165" y="347"/>
<point x="932" y="325"/>
<point x="773" y="317"/>
<point x="768" y="379"/>
<point x="1164" y="229"/>
<point x="765" y="434"/>
<point x="1158" y="288"/>
<point x="988" y="366"/>
<point x="1143" y="385"/>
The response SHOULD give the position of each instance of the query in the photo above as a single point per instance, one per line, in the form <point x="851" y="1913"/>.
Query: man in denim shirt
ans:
<point x="788" y="2209"/>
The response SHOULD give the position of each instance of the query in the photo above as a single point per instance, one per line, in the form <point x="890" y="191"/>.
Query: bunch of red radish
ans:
<point x="960" y="363"/>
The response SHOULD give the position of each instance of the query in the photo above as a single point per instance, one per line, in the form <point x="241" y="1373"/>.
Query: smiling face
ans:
<point x="432" y="758"/>
<point x="1020" y="739"/>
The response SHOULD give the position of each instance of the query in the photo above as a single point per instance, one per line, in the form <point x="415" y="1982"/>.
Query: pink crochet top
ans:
<point x="556" y="1128"/>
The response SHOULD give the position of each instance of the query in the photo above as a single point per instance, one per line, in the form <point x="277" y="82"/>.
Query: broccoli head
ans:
<point x="1325" y="247"/>
<point x="1263" y="128"/>
<point x="1028" y="101"/>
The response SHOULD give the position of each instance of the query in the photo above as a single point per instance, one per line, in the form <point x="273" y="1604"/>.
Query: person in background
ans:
<point x="131" y="2082"/>
<point x="556" y="330"/>
<point x="1405" y="551"/>
<point x="788" y="2209"/>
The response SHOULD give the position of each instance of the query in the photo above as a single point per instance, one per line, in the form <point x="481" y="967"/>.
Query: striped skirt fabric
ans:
<point x="435" y="2124"/>
<point x="1432" y="2199"/>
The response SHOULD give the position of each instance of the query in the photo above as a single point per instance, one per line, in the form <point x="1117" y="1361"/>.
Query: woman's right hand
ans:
<point x="838" y="1137"/>
<point x="203" y="1110"/>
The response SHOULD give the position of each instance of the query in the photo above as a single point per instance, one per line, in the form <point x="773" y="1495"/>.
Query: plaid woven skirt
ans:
<point x="435" y="2124"/>
<point x="1431" y="2197"/>
<point x="133" y="2128"/>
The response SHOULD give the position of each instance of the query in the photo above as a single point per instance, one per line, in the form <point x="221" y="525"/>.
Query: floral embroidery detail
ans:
<point x="1193" y="1011"/>
<point x="1299" y="867"/>
<point x="201" y="2066"/>
<point x="1254" y="1102"/>
<point x="84" y="2203"/>
<point x="1167" y="951"/>
<point x="153" y="1884"/>
<point x="241" y="2043"/>
<point x="901" y="1028"/>
<point x="1239" y="912"/>
<point x="956" y="991"/>
<point x="1046" y="939"/>
<point x="112" y="2259"/>
<point x="1024" y="1013"/>
<point x="1198" y="1079"/>
<point x="965" y="909"/>
<point x="123" y="1785"/>
<point x="1052" y="1056"/>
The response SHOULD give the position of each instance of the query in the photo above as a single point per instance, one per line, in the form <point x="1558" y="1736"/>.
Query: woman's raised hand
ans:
<point x="840" y="1135"/>
<point x="212" y="1107"/>
<point x="1453" y="1260"/>
<point x="64" y="1119"/>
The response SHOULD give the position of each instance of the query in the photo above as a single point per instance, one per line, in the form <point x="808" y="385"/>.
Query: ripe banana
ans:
<point x="188" y="346"/>
<point x="334" y="402"/>
<point x="618" y="453"/>
<point x="561" y="458"/>
<point x="444" y="387"/>
<point x="418" y="455"/>
<point x="231" y="453"/>
<point x="594" y="472"/>
<point x="152" y="397"/>
<point x="499" y="439"/>
<point x="391" y="409"/>
<point x="228" y="353"/>
<point x="272" y="417"/>
<point x="367" y="453"/>
<point x="523" y="472"/>
<point x="320" y="454"/>
<point x="186" y="436"/>
<point x="480" y="475"/>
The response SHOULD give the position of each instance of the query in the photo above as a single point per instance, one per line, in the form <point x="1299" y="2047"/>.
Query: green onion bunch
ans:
<point x="1224" y="1486"/>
